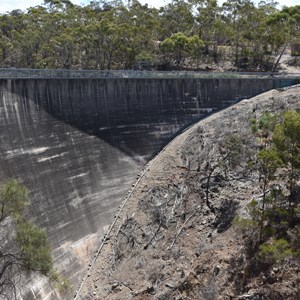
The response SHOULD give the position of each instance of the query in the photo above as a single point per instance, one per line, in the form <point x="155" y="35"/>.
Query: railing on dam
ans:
<point x="56" y="73"/>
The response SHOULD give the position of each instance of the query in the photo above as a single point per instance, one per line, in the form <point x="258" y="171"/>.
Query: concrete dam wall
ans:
<point x="77" y="145"/>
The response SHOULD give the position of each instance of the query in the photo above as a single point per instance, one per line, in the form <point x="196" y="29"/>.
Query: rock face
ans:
<point x="174" y="239"/>
<point x="77" y="145"/>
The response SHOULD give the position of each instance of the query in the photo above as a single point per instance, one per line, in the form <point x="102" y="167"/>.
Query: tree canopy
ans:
<point x="114" y="35"/>
<point x="24" y="245"/>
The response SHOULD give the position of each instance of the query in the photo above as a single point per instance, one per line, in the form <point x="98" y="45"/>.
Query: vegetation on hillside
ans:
<point x="24" y="247"/>
<point x="114" y="35"/>
<point x="271" y="229"/>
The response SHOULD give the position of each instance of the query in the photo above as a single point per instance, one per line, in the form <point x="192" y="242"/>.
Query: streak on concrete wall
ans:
<point x="77" y="145"/>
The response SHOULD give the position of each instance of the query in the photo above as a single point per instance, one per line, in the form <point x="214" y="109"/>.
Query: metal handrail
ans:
<point x="6" y="73"/>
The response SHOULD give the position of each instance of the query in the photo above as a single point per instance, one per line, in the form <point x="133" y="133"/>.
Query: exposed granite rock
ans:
<point x="174" y="239"/>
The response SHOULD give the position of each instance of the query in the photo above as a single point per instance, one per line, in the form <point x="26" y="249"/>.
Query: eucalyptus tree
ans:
<point x="176" y="16"/>
<point x="28" y="40"/>
<point x="210" y="26"/>
<point x="138" y="27"/>
<point x="238" y="14"/>
<point x="10" y="25"/>
<point x="179" y="46"/>
<point x="285" y="28"/>
<point x="259" y="32"/>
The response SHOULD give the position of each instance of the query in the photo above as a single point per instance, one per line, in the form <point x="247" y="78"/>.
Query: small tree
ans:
<point x="23" y="249"/>
<point x="274" y="251"/>
<point x="180" y="46"/>
<point x="264" y="127"/>
<point x="286" y="138"/>
<point x="268" y="162"/>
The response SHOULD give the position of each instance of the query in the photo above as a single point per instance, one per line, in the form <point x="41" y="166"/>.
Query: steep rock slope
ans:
<point x="174" y="238"/>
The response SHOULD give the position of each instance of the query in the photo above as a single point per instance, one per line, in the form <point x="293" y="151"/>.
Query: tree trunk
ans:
<point x="278" y="60"/>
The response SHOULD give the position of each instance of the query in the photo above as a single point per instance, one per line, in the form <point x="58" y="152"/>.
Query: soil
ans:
<point x="174" y="238"/>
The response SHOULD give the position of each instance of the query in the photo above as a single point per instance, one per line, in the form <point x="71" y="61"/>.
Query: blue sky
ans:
<point x="9" y="5"/>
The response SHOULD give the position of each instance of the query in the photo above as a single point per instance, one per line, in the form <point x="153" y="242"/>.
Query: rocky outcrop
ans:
<point x="174" y="238"/>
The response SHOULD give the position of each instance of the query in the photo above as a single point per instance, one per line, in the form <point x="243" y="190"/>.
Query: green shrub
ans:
<point x="274" y="251"/>
<point x="35" y="251"/>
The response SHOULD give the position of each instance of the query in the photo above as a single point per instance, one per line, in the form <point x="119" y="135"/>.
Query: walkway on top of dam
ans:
<point x="93" y="74"/>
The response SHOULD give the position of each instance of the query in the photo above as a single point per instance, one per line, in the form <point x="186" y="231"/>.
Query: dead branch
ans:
<point x="180" y="230"/>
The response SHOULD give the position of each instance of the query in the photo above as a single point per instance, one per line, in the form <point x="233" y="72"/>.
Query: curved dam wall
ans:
<point x="77" y="145"/>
